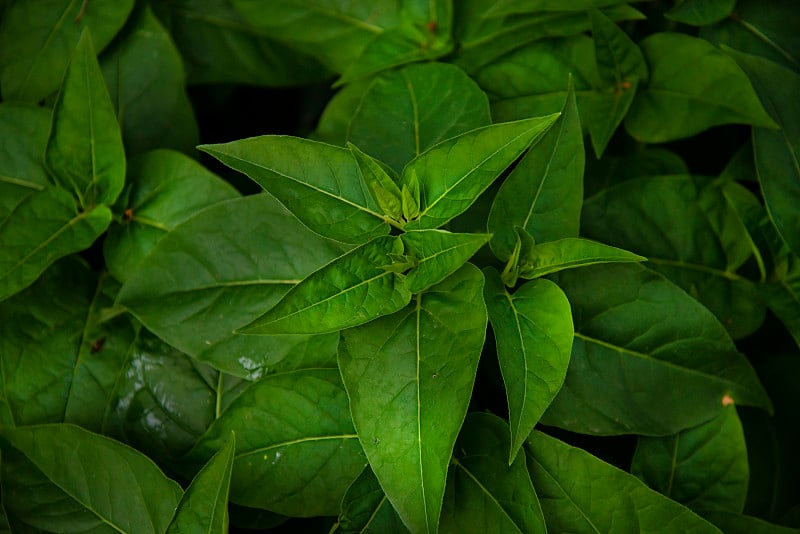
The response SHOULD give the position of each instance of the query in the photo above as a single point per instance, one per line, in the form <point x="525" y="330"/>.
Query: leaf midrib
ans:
<point x="307" y="439"/>
<point x="487" y="492"/>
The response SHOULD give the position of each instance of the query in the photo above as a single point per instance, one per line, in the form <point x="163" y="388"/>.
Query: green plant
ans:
<point x="488" y="258"/>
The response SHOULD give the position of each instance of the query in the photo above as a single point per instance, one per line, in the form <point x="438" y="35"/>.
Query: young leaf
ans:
<point x="693" y="86"/>
<point x="456" y="171"/>
<point x="402" y="113"/>
<point x="438" y="254"/>
<point x="218" y="271"/>
<point x="351" y="290"/>
<point x="365" y="508"/>
<point x="164" y="188"/>
<point x="409" y="377"/>
<point x="37" y="38"/>
<point x="84" y="151"/>
<point x="483" y="488"/>
<point x="703" y="467"/>
<point x="700" y="12"/>
<point x="580" y="493"/>
<point x="533" y="331"/>
<point x="543" y="194"/>
<point x="411" y="198"/>
<point x="383" y="188"/>
<point x="296" y="450"/>
<point x="204" y="506"/>
<point x="638" y="336"/>
<point x="568" y="253"/>
<point x="102" y="483"/>
<point x="320" y="184"/>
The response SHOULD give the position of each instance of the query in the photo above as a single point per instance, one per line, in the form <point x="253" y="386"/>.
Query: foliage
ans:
<point x="516" y="266"/>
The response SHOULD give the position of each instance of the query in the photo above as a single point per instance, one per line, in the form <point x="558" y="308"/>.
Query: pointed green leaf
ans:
<point x="580" y="493"/>
<point x="383" y="188"/>
<point x="409" y="377"/>
<point x="543" y="194"/>
<point x="732" y="523"/>
<point x="402" y="113"/>
<point x="365" y="508"/>
<point x="219" y="270"/>
<point x="618" y="58"/>
<point x="105" y="483"/>
<point x="533" y="331"/>
<point x="84" y="151"/>
<point x="483" y="488"/>
<point x="44" y="227"/>
<point x="604" y="111"/>
<point x="411" y="198"/>
<point x="320" y="184"/>
<point x="554" y="256"/>
<point x="296" y="450"/>
<point x="455" y="172"/>
<point x="351" y="290"/>
<point x="164" y="188"/>
<point x="703" y="467"/>
<point x="638" y="336"/>
<point x="37" y="38"/>
<point x="204" y="506"/>
<point x="693" y="86"/>
<point x="700" y="12"/>
<point x="438" y="254"/>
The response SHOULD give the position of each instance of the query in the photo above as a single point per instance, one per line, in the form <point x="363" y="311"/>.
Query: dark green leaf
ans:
<point x="204" y="506"/>
<point x="700" y="12"/>
<point x="733" y="523"/>
<point x="510" y="7"/>
<point x="580" y="493"/>
<point x="610" y="170"/>
<point x="144" y="74"/>
<point x="693" y="86"/>
<point x="383" y="187"/>
<point x="484" y="493"/>
<point x="533" y="331"/>
<point x="296" y="450"/>
<point x="335" y="119"/>
<point x="220" y="270"/>
<point x="402" y="113"/>
<point x="783" y="294"/>
<point x="437" y="254"/>
<point x="365" y="508"/>
<point x="604" y="111"/>
<point x="164" y="188"/>
<point x="84" y="151"/>
<point x="104" y="483"/>
<point x="37" y="38"/>
<point x="455" y="172"/>
<point x="554" y="256"/>
<point x="544" y="193"/>
<point x="638" y="336"/>
<point x="409" y="378"/>
<point x="320" y="184"/>
<point x="703" y="467"/>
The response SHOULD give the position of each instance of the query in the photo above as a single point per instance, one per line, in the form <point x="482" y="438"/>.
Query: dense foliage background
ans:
<point x="622" y="176"/>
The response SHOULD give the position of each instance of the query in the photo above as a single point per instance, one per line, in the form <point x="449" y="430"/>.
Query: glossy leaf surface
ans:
<point x="580" y="493"/>
<point x="568" y="253"/>
<point x="437" y="254"/>
<point x="638" y="336"/>
<point x="365" y="508"/>
<point x="533" y="331"/>
<point x="409" y="378"/>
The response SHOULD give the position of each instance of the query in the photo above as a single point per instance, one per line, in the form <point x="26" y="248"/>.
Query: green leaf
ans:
<point x="455" y="172"/>
<point x="783" y="294"/>
<point x="732" y="523"/>
<point x="411" y="198"/>
<point x="690" y="233"/>
<point x="204" y="506"/>
<point x="580" y="493"/>
<point x="84" y="151"/>
<point x="568" y="253"/>
<point x="335" y="119"/>
<point x="776" y="151"/>
<point x="383" y="188"/>
<point x="510" y="7"/>
<point x="703" y="467"/>
<point x="164" y="188"/>
<point x="320" y="184"/>
<point x="638" y="336"/>
<point x="483" y="489"/>
<point x="437" y="254"/>
<point x="44" y="227"/>
<point x="365" y="508"/>
<point x="603" y="173"/>
<point x="693" y="86"/>
<point x="108" y="484"/>
<point x="220" y="270"/>
<point x="543" y="194"/>
<point x="351" y="290"/>
<point x="296" y="450"/>
<point x="409" y="377"/>
<point x="37" y="38"/>
<point x="402" y="113"/>
<point x="700" y="12"/>
<point x="533" y="331"/>
<point x="144" y="74"/>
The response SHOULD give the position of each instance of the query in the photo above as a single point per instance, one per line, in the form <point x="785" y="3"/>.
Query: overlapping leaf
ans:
<point x="554" y="256"/>
<point x="700" y="12"/>
<point x="436" y="254"/>
<point x="365" y="508"/>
